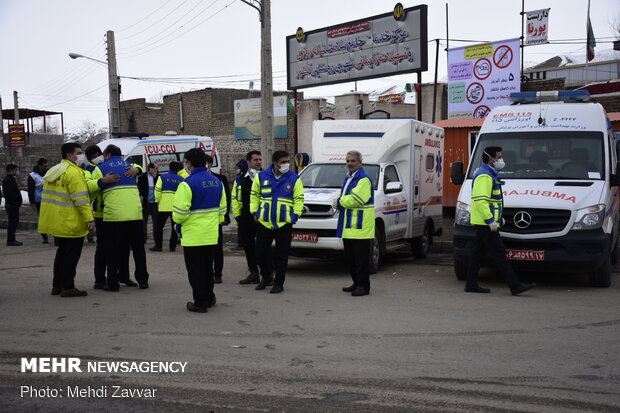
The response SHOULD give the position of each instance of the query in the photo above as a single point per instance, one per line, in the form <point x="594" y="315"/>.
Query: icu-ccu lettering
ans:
<point x="155" y="149"/>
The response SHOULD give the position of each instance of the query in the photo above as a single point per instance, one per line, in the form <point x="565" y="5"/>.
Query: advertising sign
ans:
<point x="537" y="27"/>
<point x="481" y="77"/>
<point x="384" y="45"/>
<point x="17" y="136"/>
<point x="248" y="118"/>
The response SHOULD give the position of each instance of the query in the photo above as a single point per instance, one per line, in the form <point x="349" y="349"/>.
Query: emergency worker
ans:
<point x="35" y="188"/>
<point x="165" y="188"/>
<point x="276" y="201"/>
<point x="218" y="255"/>
<point x="199" y="208"/>
<point x="487" y="205"/>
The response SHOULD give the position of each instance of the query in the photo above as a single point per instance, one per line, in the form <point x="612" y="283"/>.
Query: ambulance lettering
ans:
<point x="205" y="147"/>
<point x="155" y="149"/>
<point x="536" y="192"/>
<point x="432" y="143"/>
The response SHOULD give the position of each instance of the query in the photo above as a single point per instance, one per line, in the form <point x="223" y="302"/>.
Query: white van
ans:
<point x="404" y="159"/>
<point x="161" y="150"/>
<point x="560" y="187"/>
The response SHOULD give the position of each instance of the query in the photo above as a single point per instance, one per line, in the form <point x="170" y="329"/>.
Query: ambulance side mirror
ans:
<point x="393" y="187"/>
<point x="457" y="177"/>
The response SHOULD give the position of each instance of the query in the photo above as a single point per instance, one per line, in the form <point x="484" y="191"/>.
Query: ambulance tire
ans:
<point x="601" y="277"/>
<point x="377" y="249"/>
<point x="461" y="264"/>
<point x="422" y="244"/>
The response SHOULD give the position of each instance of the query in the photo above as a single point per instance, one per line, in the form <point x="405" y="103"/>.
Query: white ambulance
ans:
<point x="142" y="149"/>
<point x="404" y="159"/>
<point x="560" y="186"/>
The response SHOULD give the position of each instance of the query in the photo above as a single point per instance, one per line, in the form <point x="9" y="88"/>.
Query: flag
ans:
<point x="591" y="42"/>
<point x="412" y="87"/>
<point x="292" y="105"/>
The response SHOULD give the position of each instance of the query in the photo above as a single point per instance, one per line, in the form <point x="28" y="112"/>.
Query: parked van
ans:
<point x="404" y="159"/>
<point x="561" y="197"/>
<point x="161" y="150"/>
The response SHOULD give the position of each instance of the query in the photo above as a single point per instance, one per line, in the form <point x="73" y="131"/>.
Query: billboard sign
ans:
<point x="481" y="77"/>
<point x="17" y="136"/>
<point x="384" y="45"/>
<point x="248" y="118"/>
<point x="537" y="27"/>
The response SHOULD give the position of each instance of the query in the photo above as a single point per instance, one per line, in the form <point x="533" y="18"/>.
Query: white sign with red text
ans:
<point x="537" y="27"/>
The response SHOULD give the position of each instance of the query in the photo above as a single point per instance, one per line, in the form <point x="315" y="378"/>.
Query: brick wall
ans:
<point x="39" y="146"/>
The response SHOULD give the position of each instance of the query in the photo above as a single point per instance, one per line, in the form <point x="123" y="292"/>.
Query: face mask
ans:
<point x="98" y="160"/>
<point x="81" y="159"/>
<point x="284" y="168"/>
<point x="499" y="164"/>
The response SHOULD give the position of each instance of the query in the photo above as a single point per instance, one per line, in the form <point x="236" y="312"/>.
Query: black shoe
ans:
<point x="217" y="279"/>
<point x="73" y="292"/>
<point x="360" y="291"/>
<point x="276" y="289"/>
<point x="14" y="243"/>
<point x="252" y="278"/>
<point x="56" y="291"/>
<point x="349" y="289"/>
<point x="521" y="288"/>
<point x="99" y="286"/>
<point x="144" y="286"/>
<point x="212" y="302"/>
<point x="128" y="282"/>
<point x="262" y="284"/>
<point x="476" y="289"/>
<point x="45" y="241"/>
<point x="111" y="289"/>
<point x="155" y="248"/>
<point x="173" y="249"/>
<point x="194" y="308"/>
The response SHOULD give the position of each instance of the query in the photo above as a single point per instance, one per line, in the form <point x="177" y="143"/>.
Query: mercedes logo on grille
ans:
<point x="522" y="220"/>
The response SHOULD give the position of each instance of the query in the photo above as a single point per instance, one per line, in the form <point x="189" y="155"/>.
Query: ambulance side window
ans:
<point x="389" y="175"/>
<point x="135" y="159"/>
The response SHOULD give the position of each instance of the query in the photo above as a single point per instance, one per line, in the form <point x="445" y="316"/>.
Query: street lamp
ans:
<point x="113" y="83"/>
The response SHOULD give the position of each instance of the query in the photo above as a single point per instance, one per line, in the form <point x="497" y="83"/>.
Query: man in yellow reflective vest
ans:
<point x="165" y="188"/>
<point x="276" y="201"/>
<point x="198" y="210"/>
<point x="66" y="213"/>
<point x="487" y="205"/>
<point x="356" y="223"/>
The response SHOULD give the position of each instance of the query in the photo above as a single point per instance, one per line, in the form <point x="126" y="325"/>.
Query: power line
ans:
<point x="140" y="21"/>
<point x="77" y="97"/>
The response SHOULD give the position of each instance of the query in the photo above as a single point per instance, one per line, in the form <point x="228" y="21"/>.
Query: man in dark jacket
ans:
<point x="146" y="187"/>
<point x="35" y="188"/>
<point x="12" y="203"/>
<point x="218" y="256"/>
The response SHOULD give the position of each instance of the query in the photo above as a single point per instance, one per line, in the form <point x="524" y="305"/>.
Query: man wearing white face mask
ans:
<point x="486" y="216"/>
<point x="276" y="201"/>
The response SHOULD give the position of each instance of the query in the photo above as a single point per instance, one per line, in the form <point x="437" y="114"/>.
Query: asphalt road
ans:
<point x="417" y="343"/>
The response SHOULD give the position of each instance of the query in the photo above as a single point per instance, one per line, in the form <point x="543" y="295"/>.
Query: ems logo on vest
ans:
<point x="288" y="187"/>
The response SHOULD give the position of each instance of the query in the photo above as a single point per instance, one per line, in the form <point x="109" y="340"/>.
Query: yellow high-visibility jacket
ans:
<point x="357" y="208"/>
<point x="276" y="202"/>
<point x="487" y="202"/>
<point x="165" y="188"/>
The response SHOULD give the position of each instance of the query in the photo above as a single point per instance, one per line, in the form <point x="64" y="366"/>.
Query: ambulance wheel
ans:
<point x="422" y="244"/>
<point x="601" y="277"/>
<point x="461" y="265"/>
<point x="376" y="249"/>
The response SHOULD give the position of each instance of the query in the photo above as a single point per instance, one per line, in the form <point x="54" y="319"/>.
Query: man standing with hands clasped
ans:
<point x="356" y="223"/>
<point x="487" y="205"/>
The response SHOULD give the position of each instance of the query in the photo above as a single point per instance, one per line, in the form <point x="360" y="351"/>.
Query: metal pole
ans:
<point x="115" y="124"/>
<point x="436" y="74"/>
<point x="522" y="35"/>
<point x="266" y="85"/>
<point x="15" y="108"/>
<point x="1" y="122"/>
<point x="447" y="35"/>
<point x="419" y="97"/>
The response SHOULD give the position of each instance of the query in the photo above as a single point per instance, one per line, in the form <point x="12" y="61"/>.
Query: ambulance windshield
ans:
<point x="546" y="154"/>
<point x="331" y="175"/>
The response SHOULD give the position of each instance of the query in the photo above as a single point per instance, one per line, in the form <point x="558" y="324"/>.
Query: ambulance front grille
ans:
<point x="534" y="220"/>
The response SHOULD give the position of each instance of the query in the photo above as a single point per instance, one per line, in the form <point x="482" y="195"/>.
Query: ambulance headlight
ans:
<point x="591" y="217"/>
<point x="462" y="214"/>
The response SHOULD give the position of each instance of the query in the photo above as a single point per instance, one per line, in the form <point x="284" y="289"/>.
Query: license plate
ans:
<point x="303" y="237"/>
<point x="523" y="255"/>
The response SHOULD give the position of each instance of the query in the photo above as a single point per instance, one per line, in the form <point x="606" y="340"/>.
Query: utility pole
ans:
<point x="266" y="91"/>
<point x="16" y="108"/>
<point x="113" y="85"/>
<point x="1" y="123"/>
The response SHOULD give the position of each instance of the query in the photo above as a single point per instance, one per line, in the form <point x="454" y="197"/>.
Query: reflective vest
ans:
<point x="487" y="202"/>
<point x="65" y="202"/>
<point x="38" y="185"/>
<point x="276" y="202"/>
<point x="121" y="199"/>
<point x="183" y="173"/>
<point x="96" y="199"/>
<point x="165" y="189"/>
<point x="199" y="208"/>
<point x="357" y="208"/>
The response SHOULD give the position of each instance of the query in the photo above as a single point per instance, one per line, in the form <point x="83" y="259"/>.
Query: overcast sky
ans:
<point x="185" y="38"/>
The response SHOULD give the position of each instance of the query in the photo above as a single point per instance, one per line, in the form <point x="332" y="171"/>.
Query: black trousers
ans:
<point x="491" y="242"/>
<point x="266" y="259"/>
<point x="149" y="210"/>
<point x="66" y="261"/>
<point x="119" y="238"/>
<point x="218" y="254"/>
<point x="199" y="264"/>
<point x="247" y="235"/>
<point x="357" y="252"/>
<point x="38" y="207"/>
<point x="12" y="212"/>
<point x="158" y="229"/>
<point x="101" y="263"/>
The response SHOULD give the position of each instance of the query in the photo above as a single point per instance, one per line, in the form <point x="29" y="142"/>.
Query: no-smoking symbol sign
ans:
<point x="481" y="111"/>
<point x="482" y="68"/>
<point x="502" y="56"/>
<point x="474" y="93"/>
